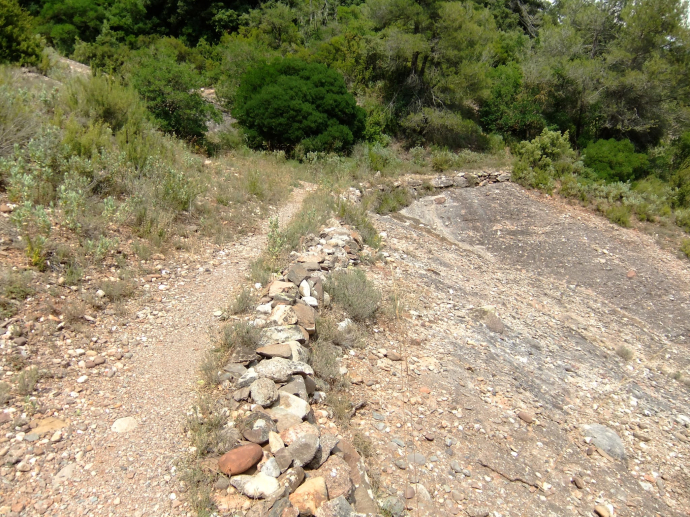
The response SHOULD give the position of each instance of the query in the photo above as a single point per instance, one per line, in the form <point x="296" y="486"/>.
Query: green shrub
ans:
<point x="443" y="128"/>
<point x="354" y="293"/>
<point x="619" y="214"/>
<point x="18" y="117"/>
<point x="18" y="44"/>
<point x="290" y="102"/>
<point x="685" y="247"/>
<point x="392" y="200"/>
<point x="543" y="159"/>
<point x="615" y="160"/>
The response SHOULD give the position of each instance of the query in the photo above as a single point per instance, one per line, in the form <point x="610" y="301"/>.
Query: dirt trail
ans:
<point x="133" y="473"/>
<point x="515" y="309"/>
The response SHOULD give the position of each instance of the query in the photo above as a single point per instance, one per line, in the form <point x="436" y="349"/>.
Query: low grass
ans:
<point x="341" y="405"/>
<point x="244" y="302"/>
<point x="685" y="247"/>
<point x="15" y="286"/>
<point x="624" y="353"/>
<point x="5" y="393"/>
<point x="118" y="290"/>
<point x="363" y="444"/>
<point x="26" y="381"/>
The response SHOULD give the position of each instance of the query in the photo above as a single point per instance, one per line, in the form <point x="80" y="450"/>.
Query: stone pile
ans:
<point x="287" y="455"/>
<point x="457" y="179"/>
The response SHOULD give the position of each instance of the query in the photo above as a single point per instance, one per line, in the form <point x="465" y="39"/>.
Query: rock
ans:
<point x="460" y="182"/>
<point x="602" y="511"/>
<point x="293" y="433"/>
<point x="477" y="511"/>
<point x="284" y="419"/>
<point x="280" y="370"/>
<point x="578" y="482"/>
<point x="240" y="459"/>
<point x="279" y="287"/>
<point x="296" y="387"/>
<point x="279" y="507"/>
<point x="264" y="392"/>
<point x="306" y="317"/>
<point x="292" y="479"/>
<point x="336" y="507"/>
<point x="440" y="200"/>
<point x="311" y="301"/>
<point x="606" y="439"/>
<point x="282" y="334"/>
<point x="283" y="459"/>
<point x="487" y="315"/>
<point x="275" y="442"/>
<point x="310" y="383"/>
<point x="525" y="417"/>
<point x="457" y="468"/>
<point x="336" y="472"/>
<point x="304" y="289"/>
<point x="256" y="427"/>
<point x="241" y="394"/>
<point x="310" y="496"/>
<point x="303" y="449"/>
<point x="279" y="350"/>
<point x="295" y="405"/>
<point x="265" y="308"/>
<point x="243" y="355"/>
<point x="409" y="492"/>
<point x="326" y="444"/>
<point x="394" y="356"/>
<point x="222" y="483"/>
<point x="283" y="315"/>
<point x="416" y="457"/>
<point x="260" y="486"/>
<point x="400" y="463"/>
<point x="393" y="506"/>
<point x="236" y="370"/>
<point x="124" y="425"/>
<point x="247" y="379"/>
<point x="297" y="273"/>
<point x="271" y="468"/>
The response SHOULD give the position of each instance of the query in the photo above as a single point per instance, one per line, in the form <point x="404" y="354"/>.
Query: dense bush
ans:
<point x="443" y="128"/>
<point x="352" y="291"/>
<point x="615" y="160"/>
<point x="18" y="44"/>
<point x="170" y="89"/>
<point x="543" y="159"/>
<point x="290" y="102"/>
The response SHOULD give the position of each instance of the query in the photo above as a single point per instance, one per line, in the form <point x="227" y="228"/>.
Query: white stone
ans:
<point x="275" y="442"/>
<point x="311" y="301"/>
<point x="304" y="289"/>
<point x="295" y="405"/>
<point x="271" y="468"/>
<point x="83" y="379"/>
<point x="260" y="486"/>
<point x="265" y="308"/>
<point x="123" y="425"/>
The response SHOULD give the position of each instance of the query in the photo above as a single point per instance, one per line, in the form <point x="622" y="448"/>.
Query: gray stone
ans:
<point x="296" y="387"/>
<point x="279" y="507"/>
<point x="295" y="405"/>
<point x="401" y="464"/>
<point x="416" y="457"/>
<point x="337" y="507"/>
<point x="284" y="419"/>
<point x="297" y="273"/>
<point x="303" y="449"/>
<point x="326" y="444"/>
<point x="271" y="468"/>
<point x="299" y="353"/>
<point x="310" y="383"/>
<point x="241" y="394"/>
<point x="460" y="182"/>
<point x="236" y="369"/>
<point x="256" y="427"/>
<point x="264" y="392"/>
<point x="455" y="465"/>
<point x="280" y="370"/>
<point x="606" y="439"/>
<point x="393" y="505"/>
<point x="247" y="379"/>
<point x="292" y="479"/>
<point x="283" y="459"/>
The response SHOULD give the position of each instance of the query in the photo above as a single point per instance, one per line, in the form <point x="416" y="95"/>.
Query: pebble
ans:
<point x="123" y="425"/>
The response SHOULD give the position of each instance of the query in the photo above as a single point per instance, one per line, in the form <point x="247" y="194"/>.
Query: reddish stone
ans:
<point x="240" y="459"/>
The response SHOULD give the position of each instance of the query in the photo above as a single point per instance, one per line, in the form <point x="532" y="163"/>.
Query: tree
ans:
<point x="615" y="160"/>
<point x="290" y="102"/>
<point x="18" y="44"/>
<point x="171" y="91"/>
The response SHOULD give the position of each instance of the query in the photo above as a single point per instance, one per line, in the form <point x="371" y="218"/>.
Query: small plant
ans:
<point x="4" y="393"/>
<point x="143" y="250"/>
<point x="340" y="403"/>
<point x="685" y="247"/>
<point x="261" y="270"/>
<point x="239" y="335"/>
<point x="324" y="360"/>
<point x="624" y="353"/>
<point x="16" y="285"/>
<point x="243" y="303"/>
<point x="363" y="445"/>
<point x="354" y="293"/>
<point x="210" y="368"/>
<point x="26" y="381"/>
<point x="619" y="214"/>
<point x="118" y="290"/>
<point x="392" y="200"/>
<point x="276" y="240"/>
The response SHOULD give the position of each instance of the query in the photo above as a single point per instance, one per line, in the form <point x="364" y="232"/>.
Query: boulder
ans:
<point x="283" y="418"/>
<point x="290" y="435"/>
<point x="283" y="459"/>
<point x="326" y="444"/>
<point x="256" y="427"/>
<point x="282" y="315"/>
<point x="292" y="479"/>
<point x="275" y="442"/>
<point x="279" y="287"/>
<point x="280" y="370"/>
<point x="304" y="288"/>
<point x="303" y="449"/>
<point x="297" y="273"/>
<point x="247" y="379"/>
<point x="606" y="439"/>
<point x="271" y="468"/>
<point x="310" y="496"/>
<point x="259" y="486"/>
<point x="295" y="405"/>
<point x="240" y="459"/>
<point x="282" y="334"/>
<point x="336" y="472"/>
<point x="306" y="316"/>
<point x="336" y="507"/>
<point x="296" y="387"/>
<point x="299" y="353"/>
<point x="279" y="350"/>
<point x="264" y="392"/>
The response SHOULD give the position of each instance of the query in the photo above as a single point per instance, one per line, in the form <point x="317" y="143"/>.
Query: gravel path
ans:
<point x="134" y="473"/>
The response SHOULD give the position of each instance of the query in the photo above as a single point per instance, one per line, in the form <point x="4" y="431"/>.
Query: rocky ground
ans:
<point x="499" y="390"/>
<point x="102" y="432"/>
<point x="531" y="361"/>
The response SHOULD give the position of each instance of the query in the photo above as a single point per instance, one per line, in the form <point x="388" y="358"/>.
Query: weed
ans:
<point x="73" y="274"/>
<point x="210" y="368"/>
<point x="143" y="250"/>
<point x="205" y="425"/>
<point x="392" y="200"/>
<point x="26" y="381"/>
<point x="118" y="290"/>
<point x="5" y="390"/>
<point x="619" y="214"/>
<point x="357" y="216"/>
<point x="363" y="445"/>
<point x="239" y="335"/>
<point x="243" y="303"/>
<point x="74" y="311"/>
<point x="354" y="293"/>
<point x="340" y="403"/>
<point x="324" y="360"/>
<point x="685" y="247"/>
<point x="624" y="353"/>
<point x="276" y="240"/>
<point x="16" y="285"/>
<point x="198" y="483"/>
<point x="262" y="270"/>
